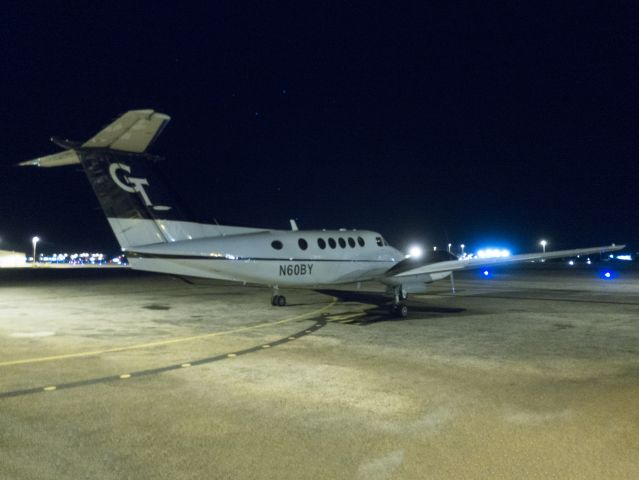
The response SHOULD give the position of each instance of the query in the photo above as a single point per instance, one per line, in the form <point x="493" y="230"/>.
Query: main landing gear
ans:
<point x="277" y="300"/>
<point x="399" y="308"/>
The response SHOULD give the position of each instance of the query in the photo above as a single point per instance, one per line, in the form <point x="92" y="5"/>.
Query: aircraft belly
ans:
<point x="190" y="268"/>
<point x="303" y="273"/>
<point x="311" y="273"/>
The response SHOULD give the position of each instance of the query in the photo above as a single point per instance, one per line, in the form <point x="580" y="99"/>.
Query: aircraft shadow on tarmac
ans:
<point x="380" y="312"/>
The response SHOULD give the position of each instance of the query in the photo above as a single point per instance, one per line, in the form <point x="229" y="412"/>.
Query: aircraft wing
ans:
<point x="470" y="263"/>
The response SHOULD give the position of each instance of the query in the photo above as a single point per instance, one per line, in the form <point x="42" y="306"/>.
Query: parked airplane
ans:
<point x="158" y="237"/>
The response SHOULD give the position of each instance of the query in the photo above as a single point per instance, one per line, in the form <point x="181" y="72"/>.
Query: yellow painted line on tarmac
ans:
<point x="49" y="389"/>
<point x="185" y="365"/>
<point x="266" y="346"/>
<point x="345" y="317"/>
<point x="125" y="376"/>
<point x="231" y="355"/>
<point x="171" y="341"/>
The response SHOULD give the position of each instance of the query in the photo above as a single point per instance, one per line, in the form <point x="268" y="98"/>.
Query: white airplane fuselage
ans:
<point x="305" y="259"/>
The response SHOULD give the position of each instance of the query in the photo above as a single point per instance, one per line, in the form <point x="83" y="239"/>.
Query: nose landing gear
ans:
<point x="399" y="308"/>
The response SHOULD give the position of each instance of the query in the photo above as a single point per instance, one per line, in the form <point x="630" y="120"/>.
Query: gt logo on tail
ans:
<point x="133" y="184"/>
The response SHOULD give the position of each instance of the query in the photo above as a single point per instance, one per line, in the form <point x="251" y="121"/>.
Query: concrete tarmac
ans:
<point x="532" y="373"/>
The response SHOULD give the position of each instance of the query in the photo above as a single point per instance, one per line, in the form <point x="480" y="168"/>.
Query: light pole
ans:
<point x="543" y="244"/>
<point x="462" y="247"/>
<point x="35" y="241"/>
<point x="449" y="245"/>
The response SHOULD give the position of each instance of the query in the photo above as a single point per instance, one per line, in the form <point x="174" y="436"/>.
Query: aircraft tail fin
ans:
<point x="138" y="203"/>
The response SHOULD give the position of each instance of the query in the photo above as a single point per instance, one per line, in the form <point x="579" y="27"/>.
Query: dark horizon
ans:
<point x="429" y="124"/>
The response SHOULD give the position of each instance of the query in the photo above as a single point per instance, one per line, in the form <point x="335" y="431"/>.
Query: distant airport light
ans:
<point x="571" y="263"/>
<point x="625" y="258"/>
<point x="415" y="251"/>
<point x="493" y="253"/>
<point x="35" y="241"/>
<point x="608" y="275"/>
<point x="462" y="249"/>
<point x="486" y="273"/>
<point x="77" y="259"/>
<point x="543" y="244"/>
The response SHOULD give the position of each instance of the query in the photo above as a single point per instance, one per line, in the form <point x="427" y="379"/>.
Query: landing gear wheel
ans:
<point x="400" y="310"/>
<point x="278" y="300"/>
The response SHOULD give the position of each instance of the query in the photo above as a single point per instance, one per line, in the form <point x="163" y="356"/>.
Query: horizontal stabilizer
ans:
<point x="134" y="131"/>
<point x="68" y="157"/>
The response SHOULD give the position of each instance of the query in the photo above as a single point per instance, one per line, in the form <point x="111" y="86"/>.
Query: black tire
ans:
<point x="401" y="310"/>
<point x="281" y="301"/>
<point x="274" y="300"/>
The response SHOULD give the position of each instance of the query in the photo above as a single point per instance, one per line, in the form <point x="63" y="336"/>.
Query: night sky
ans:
<point x="426" y="122"/>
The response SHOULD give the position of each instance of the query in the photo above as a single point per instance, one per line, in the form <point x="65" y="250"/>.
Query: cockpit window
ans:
<point x="277" y="245"/>
<point x="380" y="241"/>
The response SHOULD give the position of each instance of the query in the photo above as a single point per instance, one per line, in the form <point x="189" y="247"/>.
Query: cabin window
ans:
<point x="277" y="245"/>
<point x="351" y="242"/>
<point x="342" y="242"/>
<point x="302" y="243"/>
<point x="361" y="242"/>
<point x="331" y="243"/>
<point x="321" y="243"/>
<point x="380" y="241"/>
